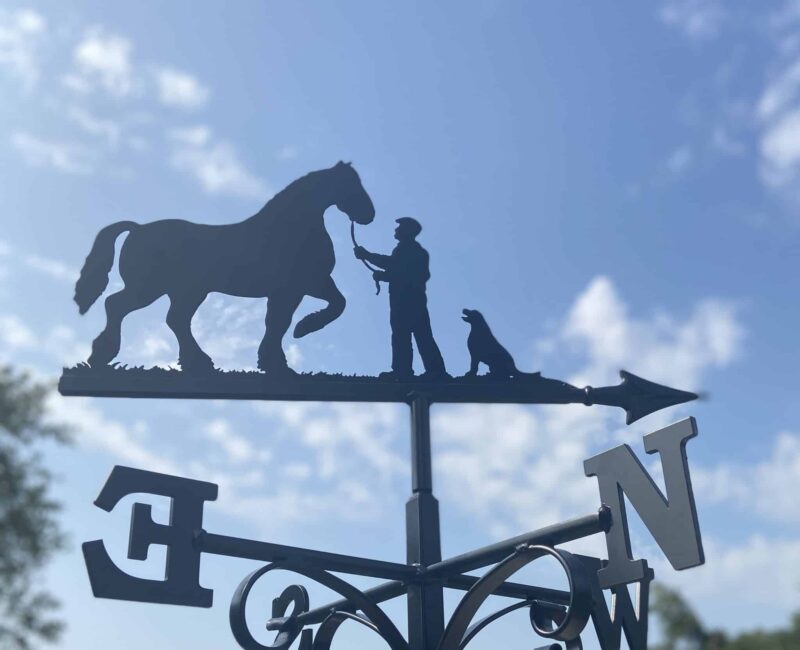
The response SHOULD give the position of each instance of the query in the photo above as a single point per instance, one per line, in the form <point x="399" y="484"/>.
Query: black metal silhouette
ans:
<point x="367" y="265"/>
<point x="287" y="626"/>
<point x="485" y="348"/>
<point x="555" y="614"/>
<point x="283" y="253"/>
<point x="406" y="270"/>
<point x="637" y="396"/>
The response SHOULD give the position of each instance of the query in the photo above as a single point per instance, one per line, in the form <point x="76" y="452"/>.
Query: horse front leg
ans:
<point x="280" y="309"/>
<point x="329" y="292"/>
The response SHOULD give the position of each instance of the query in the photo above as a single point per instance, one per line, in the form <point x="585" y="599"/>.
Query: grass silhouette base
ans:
<point x="122" y="381"/>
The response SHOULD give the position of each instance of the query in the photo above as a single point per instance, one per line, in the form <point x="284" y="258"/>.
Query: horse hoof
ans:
<point x="282" y="372"/>
<point x="196" y="366"/>
<point x="302" y="329"/>
<point x="96" y="364"/>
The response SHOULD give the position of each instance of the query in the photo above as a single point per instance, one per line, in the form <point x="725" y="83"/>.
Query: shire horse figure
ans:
<point x="282" y="253"/>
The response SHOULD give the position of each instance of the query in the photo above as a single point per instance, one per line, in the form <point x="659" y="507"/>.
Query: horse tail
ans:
<point x="93" y="279"/>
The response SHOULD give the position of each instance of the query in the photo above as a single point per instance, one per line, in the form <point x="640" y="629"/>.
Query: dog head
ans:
<point x="473" y="317"/>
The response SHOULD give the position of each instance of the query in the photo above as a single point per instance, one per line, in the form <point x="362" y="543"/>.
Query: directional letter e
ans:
<point x="181" y="585"/>
<point x="672" y="520"/>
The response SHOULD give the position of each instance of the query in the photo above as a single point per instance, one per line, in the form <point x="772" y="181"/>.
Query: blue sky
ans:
<point x="614" y="187"/>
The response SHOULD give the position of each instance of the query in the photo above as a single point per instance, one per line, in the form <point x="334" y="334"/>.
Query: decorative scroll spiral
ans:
<point x="291" y="627"/>
<point x="549" y="620"/>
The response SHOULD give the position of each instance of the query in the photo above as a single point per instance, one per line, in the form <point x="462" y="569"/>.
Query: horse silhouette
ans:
<point x="283" y="253"/>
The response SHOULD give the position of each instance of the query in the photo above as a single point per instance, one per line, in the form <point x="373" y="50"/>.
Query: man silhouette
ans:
<point x="406" y="270"/>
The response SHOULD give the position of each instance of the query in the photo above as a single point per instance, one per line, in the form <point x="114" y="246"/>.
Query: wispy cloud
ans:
<point x="21" y="34"/>
<point x="108" y="129"/>
<point x="288" y="152"/>
<point x="14" y="334"/>
<point x="723" y="142"/>
<point x="237" y="448"/>
<point x="54" y="268"/>
<point x="697" y="19"/>
<point x="780" y="152"/>
<point x="192" y="136"/>
<point x="215" y="164"/>
<point x="61" y="156"/>
<point x="777" y="110"/>
<point x="680" y="160"/>
<point x="94" y="430"/>
<point x="780" y="92"/>
<point x="180" y="90"/>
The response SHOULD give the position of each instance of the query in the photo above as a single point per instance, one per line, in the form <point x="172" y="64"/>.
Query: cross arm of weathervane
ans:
<point x="558" y="615"/>
<point x="187" y="539"/>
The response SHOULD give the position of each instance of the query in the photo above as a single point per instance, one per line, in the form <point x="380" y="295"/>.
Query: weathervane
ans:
<point x="284" y="253"/>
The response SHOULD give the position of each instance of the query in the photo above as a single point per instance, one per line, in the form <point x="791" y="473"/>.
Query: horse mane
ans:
<point x="280" y="204"/>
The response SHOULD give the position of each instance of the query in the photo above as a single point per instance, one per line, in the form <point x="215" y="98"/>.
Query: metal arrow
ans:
<point x="639" y="397"/>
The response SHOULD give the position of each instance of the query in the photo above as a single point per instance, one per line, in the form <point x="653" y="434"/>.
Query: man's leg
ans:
<point x="428" y="350"/>
<point x="402" y="352"/>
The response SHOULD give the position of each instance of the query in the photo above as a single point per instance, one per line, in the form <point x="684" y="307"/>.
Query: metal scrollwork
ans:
<point x="549" y="620"/>
<point x="291" y="626"/>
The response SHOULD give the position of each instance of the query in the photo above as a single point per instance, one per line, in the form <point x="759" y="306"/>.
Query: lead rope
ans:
<point x="364" y="262"/>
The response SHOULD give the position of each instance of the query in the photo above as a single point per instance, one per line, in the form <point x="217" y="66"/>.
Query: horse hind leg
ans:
<point x="315" y="321"/>
<point x="179" y="319"/>
<point x="118" y="305"/>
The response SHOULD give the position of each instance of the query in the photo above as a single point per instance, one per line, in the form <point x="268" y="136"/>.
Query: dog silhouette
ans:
<point x="485" y="348"/>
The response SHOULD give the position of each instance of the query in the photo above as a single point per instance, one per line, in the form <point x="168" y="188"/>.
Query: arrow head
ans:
<point x="641" y="397"/>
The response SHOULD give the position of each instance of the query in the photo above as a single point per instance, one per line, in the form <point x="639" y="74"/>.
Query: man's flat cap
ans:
<point x="413" y="225"/>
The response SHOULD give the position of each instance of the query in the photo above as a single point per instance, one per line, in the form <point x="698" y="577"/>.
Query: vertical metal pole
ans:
<point x="423" y="544"/>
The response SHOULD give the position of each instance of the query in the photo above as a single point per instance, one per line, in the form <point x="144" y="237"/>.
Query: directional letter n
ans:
<point x="672" y="520"/>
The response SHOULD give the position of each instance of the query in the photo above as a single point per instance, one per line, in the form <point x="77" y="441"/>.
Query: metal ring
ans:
<point x="580" y="600"/>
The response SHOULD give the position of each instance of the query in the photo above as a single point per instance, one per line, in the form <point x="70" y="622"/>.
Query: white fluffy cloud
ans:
<point x="660" y="347"/>
<point x="180" y="90"/>
<point x="769" y="486"/>
<point x="215" y="164"/>
<point x="21" y="34"/>
<point x="742" y="583"/>
<point x="518" y="467"/>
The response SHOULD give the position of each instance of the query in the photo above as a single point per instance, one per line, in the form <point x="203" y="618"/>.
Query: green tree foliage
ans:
<point x="683" y="630"/>
<point x="29" y="532"/>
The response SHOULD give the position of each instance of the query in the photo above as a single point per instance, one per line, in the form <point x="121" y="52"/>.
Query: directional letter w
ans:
<point x="672" y="520"/>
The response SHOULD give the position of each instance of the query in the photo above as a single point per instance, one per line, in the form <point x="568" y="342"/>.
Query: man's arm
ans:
<point x="384" y="261"/>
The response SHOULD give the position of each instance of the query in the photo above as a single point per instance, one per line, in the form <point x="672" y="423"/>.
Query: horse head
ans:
<point x="350" y="195"/>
